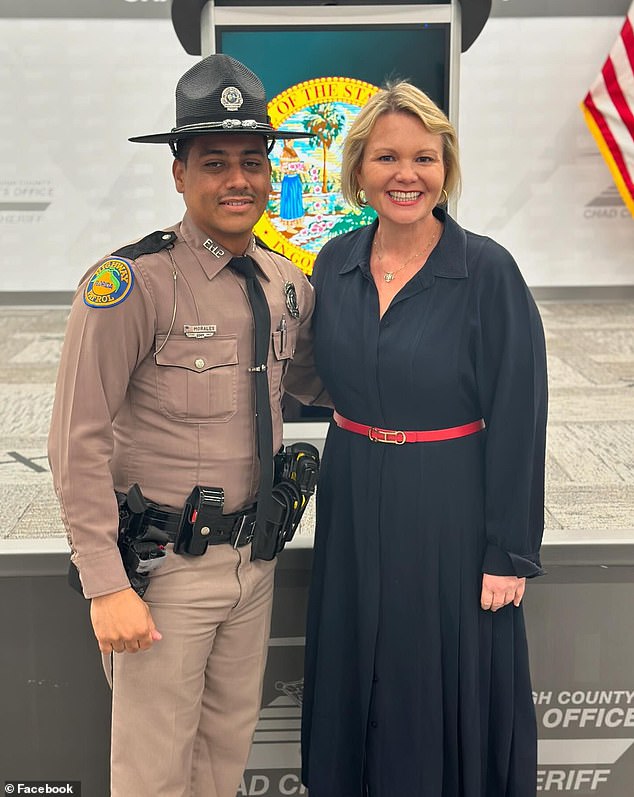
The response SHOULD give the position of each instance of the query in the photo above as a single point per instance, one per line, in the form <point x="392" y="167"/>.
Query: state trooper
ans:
<point x="158" y="388"/>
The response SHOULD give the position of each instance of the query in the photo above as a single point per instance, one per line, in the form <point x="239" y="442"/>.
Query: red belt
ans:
<point x="377" y="435"/>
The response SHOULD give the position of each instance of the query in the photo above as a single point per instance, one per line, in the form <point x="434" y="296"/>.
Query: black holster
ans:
<point x="142" y="547"/>
<point x="295" y="479"/>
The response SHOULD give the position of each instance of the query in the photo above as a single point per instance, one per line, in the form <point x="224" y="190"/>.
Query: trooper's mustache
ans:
<point x="238" y="195"/>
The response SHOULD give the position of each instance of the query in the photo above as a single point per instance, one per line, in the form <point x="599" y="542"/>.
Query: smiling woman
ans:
<point x="422" y="547"/>
<point x="402" y="156"/>
<point x="402" y="174"/>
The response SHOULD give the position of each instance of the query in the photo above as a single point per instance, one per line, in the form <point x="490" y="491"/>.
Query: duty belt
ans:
<point x="236" y="528"/>
<point x="378" y="435"/>
<point x="145" y="527"/>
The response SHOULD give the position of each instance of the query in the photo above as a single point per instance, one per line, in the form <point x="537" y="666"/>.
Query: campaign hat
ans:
<point x="219" y="95"/>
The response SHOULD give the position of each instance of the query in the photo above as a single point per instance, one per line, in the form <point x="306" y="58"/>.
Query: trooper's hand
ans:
<point x="122" y="622"/>
<point x="497" y="591"/>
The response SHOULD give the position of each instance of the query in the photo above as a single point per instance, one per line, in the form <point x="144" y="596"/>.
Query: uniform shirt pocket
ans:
<point x="283" y="344"/>
<point x="197" y="377"/>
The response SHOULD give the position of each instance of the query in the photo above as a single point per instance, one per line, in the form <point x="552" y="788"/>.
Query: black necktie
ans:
<point x="262" y="329"/>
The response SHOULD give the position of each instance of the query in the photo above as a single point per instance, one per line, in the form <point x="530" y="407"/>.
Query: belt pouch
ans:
<point x="268" y="535"/>
<point x="201" y="516"/>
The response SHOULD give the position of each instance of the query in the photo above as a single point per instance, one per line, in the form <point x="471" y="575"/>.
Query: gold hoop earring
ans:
<point x="360" y="196"/>
<point x="444" y="197"/>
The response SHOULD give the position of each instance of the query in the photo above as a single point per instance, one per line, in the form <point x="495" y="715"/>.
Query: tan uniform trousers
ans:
<point x="184" y="712"/>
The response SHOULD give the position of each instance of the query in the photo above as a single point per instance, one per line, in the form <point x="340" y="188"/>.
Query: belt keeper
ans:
<point x="236" y="534"/>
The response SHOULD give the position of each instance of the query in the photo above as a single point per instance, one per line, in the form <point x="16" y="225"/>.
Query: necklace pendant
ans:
<point x="388" y="276"/>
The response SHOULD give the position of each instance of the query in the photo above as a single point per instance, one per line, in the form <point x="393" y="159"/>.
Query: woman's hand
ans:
<point x="497" y="591"/>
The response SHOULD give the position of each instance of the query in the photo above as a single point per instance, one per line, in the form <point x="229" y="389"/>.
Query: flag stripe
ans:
<point x="627" y="35"/>
<point x="610" y="142"/>
<point x="626" y="194"/>
<point x="617" y="96"/>
<point x="622" y="63"/>
<point x="608" y="110"/>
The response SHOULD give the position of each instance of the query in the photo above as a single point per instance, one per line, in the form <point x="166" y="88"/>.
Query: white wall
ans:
<point x="73" y="91"/>
<point x="533" y="177"/>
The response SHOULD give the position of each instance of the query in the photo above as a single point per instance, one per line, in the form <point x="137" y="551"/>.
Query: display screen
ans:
<point x="286" y="55"/>
<point x="317" y="78"/>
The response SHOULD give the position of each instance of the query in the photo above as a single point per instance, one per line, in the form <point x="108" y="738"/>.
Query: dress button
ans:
<point x="199" y="363"/>
<point x="374" y="724"/>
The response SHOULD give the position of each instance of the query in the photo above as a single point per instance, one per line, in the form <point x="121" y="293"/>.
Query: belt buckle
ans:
<point x="377" y="435"/>
<point x="240" y="528"/>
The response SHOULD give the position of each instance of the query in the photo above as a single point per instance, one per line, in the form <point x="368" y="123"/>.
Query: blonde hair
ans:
<point x="401" y="97"/>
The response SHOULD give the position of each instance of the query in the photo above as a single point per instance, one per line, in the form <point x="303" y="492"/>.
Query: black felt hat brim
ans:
<point x="165" y="138"/>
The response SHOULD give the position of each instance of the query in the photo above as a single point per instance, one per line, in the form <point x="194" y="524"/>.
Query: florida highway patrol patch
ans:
<point x="111" y="283"/>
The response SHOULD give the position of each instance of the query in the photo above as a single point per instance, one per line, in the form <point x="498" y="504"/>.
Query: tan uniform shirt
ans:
<point x="136" y="402"/>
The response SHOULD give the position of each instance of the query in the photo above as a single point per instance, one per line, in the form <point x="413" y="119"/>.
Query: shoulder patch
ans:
<point x="111" y="283"/>
<point x="150" y="245"/>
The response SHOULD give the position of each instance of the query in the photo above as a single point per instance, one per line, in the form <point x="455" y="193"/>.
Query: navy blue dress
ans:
<point x="411" y="690"/>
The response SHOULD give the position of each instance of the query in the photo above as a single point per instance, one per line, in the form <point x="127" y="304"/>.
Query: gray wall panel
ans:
<point x="559" y="8"/>
<point x="155" y="9"/>
<point x="85" y="9"/>
<point x="55" y="700"/>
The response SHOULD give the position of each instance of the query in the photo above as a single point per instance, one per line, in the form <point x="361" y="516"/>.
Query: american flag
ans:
<point x="609" y="111"/>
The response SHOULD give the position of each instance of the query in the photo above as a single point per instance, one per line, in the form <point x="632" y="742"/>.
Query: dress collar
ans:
<point x="448" y="258"/>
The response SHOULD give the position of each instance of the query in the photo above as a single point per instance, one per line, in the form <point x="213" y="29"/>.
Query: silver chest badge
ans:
<point x="231" y="98"/>
<point x="291" y="299"/>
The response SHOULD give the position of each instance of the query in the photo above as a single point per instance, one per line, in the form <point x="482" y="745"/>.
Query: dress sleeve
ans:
<point x="102" y="347"/>
<point x="512" y="386"/>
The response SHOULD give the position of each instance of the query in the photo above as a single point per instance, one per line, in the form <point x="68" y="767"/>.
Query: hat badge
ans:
<point x="231" y="98"/>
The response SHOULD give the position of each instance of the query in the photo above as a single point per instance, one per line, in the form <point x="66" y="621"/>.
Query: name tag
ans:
<point x="199" y="330"/>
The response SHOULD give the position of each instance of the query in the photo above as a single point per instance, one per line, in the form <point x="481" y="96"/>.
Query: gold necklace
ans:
<point x="388" y="276"/>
